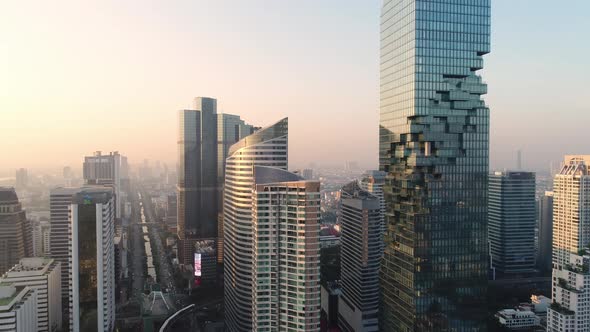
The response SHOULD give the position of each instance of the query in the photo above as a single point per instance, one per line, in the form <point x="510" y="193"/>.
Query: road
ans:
<point x="162" y="264"/>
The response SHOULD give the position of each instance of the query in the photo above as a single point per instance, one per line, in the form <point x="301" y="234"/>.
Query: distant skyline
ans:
<point x="84" y="76"/>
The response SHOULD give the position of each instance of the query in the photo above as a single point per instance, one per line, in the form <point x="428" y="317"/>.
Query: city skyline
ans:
<point x="325" y="70"/>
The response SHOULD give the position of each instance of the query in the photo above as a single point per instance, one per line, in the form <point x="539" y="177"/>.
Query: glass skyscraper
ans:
<point x="434" y="137"/>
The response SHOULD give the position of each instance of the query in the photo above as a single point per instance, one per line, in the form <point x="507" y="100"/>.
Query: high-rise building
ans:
<point x="13" y="229"/>
<point x="22" y="178"/>
<point x="511" y="223"/>
<point x="41" y="238"/>
<point x="360" y="255"/>
<point x="92" y="269"/>
<point x="434" y="144"/>
<point x="44" y="276"/>
<point x="571" y="238"/>
<point x="197" y="180"/>
<point x="105" y="170"/>
<point x="266" y="147"/>
<point x="545" y="243"/>
<point x="373" y="181"/>
<point x="18" y="308"/>
<point x="286" y="253"/>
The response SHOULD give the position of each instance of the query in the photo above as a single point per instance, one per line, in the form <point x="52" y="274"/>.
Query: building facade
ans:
<point x="43" y="275"/>
<point x="92" y="263"/>
<point x="434" y="145"/>
<point x="570" y="310"/>
<point x="266" y="147"/>
<point x="360" y="255"/>
<point x="511" y="223"/>
<point x="41" y="238"/>
<point x="13" y="228"/>
<point x="18" y="310"/>
<point x="545" y="243"/>
<point x="286" y="252"/>
<point x="102" y="169"/>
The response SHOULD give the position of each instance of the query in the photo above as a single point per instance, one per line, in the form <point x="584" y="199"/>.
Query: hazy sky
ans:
<point x="80" y="76"/>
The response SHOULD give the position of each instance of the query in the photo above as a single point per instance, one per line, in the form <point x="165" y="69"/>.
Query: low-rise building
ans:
<point x="44" y="276"/>
<point x="516" y="319"/>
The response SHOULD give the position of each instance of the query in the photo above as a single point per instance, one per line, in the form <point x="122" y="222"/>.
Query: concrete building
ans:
<point x="266" y="147"/>
<point x="517" y="319"/>
<point x="44" y="276"/>
<point x="92" y="263"/>
<point x="13" y="228"/>
<point x="434" y="145"/>
<point x="105" y="170"/>
<point x="41" y="238"/>
<point x="286" y="252"/>
<point x="545" y="225"/>
<point x="18" y="312"/>
<point x="360" y="255"/>
<point x="22" y="178"/>
<point x="512" y="221"/>
<point x="373" y="182"/>
<point x="571" y="237"/>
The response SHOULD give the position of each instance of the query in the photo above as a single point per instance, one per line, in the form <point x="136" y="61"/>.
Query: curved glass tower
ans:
<point x="434" y="134"/>
<point x="266" y="147"/>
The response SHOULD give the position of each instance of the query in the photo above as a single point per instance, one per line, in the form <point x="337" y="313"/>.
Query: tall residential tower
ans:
<point x="570" y="310"/>
<point x="266" y="147"/>
<point x="434" y="142"/>
<point x="286" y="252"/>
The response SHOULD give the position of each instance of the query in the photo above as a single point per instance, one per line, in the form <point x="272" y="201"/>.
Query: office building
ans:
<point x="373" y="181"/>
<point x="44" y="276"/>
<point x="360" y="256"/>
<point x="92" y="263"/>
<point x="511" y="223"/>
<point x="102" y="169"/>
<point x="204" y="141"/>
<point x="286" y="253"/>
<point x="515" y="319"/>
<point x="545" y="243"/>
<point x="22" y="178"/>
<point x="41" y="238"/>
<point x="13" y="228"/>
<point x="571" y="237"/>
<point x="197" y="181"/>
<point x="266" y="147"/>
<point x="434" y="145"/>
<point x="18" y="310"/>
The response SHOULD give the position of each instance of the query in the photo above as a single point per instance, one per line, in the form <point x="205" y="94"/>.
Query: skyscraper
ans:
<point x="434" y="138"/>
<point x="22" y="178"/>
<point x="204" y="141"/>
<point x="44" y="276"/>
<point x="102" y="169"/>
<point x="266" y="147"/>
<point x="373" y="181"/>
<point x="571" y="239"/>
<point x="545" y="249"/>
<point x="360" y="256"/>
<point x="511" y="223"/>
<point x="286" y="252"/>
<point x="197" y="178"/>
<point x="12" y="229"/>
<point x="92" y="269"/>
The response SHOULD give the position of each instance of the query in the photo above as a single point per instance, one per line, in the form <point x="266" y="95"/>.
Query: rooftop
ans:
<point x="7" y="194"/>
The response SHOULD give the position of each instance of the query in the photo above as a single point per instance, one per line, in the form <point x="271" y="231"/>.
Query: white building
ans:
<point x="92" y="261"/>
<point x="286" y="254"/>
<point x="17" y="308"/>
<point x="266" y="147"/>
<point x="41" y="238"/>
<point x="570" y="310"/>
<point x="105" y="170"/>
<point x="44" y="276"/>
<point x="517" y="319"/>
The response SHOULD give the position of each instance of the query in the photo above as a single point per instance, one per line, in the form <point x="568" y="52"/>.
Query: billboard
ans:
<point x="197" y="265"/>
